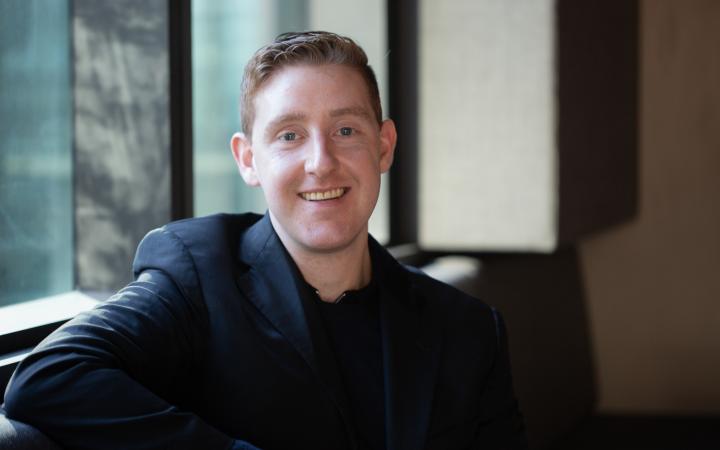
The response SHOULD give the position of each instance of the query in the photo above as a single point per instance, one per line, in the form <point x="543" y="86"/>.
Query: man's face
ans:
<point x="317" y="152"/>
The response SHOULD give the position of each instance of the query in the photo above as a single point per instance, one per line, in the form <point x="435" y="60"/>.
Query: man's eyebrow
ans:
<point x="351" y="111"/>
<point x="276" y="122"/>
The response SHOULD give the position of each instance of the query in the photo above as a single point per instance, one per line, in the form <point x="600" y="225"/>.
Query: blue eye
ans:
<point x="289" y="136"/>
<point x="346" y="131"/>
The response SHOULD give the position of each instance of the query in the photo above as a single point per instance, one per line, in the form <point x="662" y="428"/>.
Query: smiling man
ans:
<point x="316" y="144"/>
<point x="290" y="330"/>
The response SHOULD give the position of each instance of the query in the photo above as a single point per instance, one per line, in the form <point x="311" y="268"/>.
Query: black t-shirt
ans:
<point x="352" y="325"/>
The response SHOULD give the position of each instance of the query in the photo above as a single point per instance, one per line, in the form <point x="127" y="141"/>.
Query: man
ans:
<point x="292" y="330"/>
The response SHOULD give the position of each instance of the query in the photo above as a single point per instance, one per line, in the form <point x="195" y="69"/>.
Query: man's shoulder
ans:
<point x="212" y="239"/>
<point x="212" y="225"/>
<point x="221" y="231"/>
<point x="431" y="294"/>
<point x="467" y="322"/>
<point x="441" y="296"/>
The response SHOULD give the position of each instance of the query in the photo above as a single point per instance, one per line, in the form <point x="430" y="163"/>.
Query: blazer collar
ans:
<point x="272" y="284"/>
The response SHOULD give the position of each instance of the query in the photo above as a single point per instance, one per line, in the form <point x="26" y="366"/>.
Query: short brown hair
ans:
<point x="307" y="47"/>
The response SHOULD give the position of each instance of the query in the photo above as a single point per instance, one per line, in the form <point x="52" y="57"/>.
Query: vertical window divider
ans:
<point x="181" y="124"/>
<point x="403" y="18"/>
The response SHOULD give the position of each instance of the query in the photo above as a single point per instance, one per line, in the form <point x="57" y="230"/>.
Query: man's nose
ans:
<point x="321" y="159"/>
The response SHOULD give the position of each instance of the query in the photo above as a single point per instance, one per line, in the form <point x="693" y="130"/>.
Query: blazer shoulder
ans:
<point x="463" y="313"/>
<point x="187" y="248"/>
<point x="212" y="228"/>
<point x="208" y="235"/>
<point x="442" y="292"/>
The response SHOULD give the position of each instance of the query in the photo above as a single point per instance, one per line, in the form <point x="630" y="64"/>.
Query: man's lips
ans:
<point x="316" y="196"/>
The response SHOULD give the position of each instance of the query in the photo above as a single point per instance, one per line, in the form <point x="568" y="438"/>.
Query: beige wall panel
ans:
<point x="487" y="125"/>
<point x="654" y="285"/>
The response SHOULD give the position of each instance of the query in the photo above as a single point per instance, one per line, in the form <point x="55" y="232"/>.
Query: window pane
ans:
<point x="225" y="34"/>
<point x="36" y="234"/>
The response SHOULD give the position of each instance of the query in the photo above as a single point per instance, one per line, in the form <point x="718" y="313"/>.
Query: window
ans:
<point x="83" y="156"/>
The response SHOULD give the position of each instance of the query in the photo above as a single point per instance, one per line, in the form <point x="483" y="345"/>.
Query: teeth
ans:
<point x="326" y="195"/>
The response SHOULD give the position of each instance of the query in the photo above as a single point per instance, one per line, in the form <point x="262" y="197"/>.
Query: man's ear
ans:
<point x="243" y="154"/>
<point x="388" y="139"/>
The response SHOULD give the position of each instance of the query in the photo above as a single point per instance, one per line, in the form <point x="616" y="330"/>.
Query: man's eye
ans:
<point x="289" y="136"/>
<point x="346" y="131"/>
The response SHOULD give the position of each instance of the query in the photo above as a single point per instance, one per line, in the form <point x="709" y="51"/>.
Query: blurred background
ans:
<point x="559" y="159"/>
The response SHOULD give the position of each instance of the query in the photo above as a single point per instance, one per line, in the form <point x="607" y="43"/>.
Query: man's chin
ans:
<point x="322" y="236"/>
<point x="327" y="244"/>
<point x="330" y="239"/>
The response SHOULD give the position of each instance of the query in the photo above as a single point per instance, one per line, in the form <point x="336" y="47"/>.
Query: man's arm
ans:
<point x="114" y="377"/>
<point x="501" y="426"/>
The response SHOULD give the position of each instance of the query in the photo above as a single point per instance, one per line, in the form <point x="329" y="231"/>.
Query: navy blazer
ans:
<point x="212" y="346"/>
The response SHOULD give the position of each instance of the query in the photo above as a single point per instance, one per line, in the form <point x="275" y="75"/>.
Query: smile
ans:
<point x="323" y="195"/>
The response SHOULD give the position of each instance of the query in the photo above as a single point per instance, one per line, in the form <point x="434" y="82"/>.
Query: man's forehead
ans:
<point x="299" y="115"/>
<point x="297" y="78"/>
<point x="300" y="92"/>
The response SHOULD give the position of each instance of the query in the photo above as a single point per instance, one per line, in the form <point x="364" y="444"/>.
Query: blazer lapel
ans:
<point x="411" y="350"/>
<point x="270" y="285"/>
<point x="274" y="285"/>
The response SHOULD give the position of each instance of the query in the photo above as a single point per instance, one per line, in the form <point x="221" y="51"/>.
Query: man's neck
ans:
<point x="334" y="272"/>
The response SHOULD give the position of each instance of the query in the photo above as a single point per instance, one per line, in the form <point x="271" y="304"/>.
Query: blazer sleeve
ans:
<point x="116" y="377"/>
<point x="501" y="425"/>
